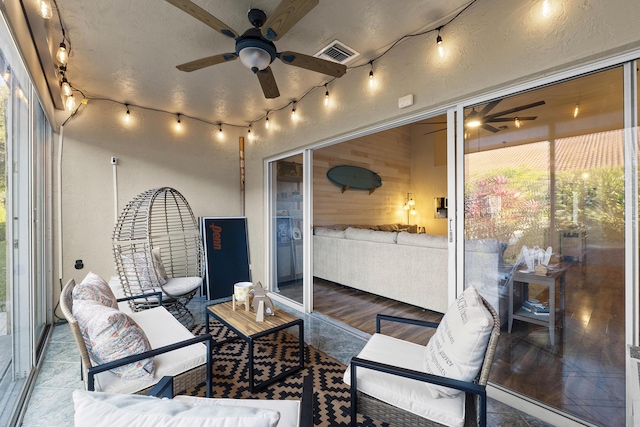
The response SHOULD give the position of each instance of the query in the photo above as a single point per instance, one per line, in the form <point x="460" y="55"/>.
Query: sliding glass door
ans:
<point x="287" y="227"/>
<point x="25" y="138"/>
<point x="544" y="239"/>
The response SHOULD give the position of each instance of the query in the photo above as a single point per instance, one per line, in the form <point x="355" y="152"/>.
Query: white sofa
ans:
<point x="407" y="267"/>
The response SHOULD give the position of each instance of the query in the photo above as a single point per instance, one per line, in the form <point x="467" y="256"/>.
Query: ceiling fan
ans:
<point x="482" y="118"/>
<point x="255" y="46"/>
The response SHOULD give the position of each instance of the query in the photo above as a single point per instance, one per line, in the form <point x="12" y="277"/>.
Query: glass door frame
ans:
<point x="632" y="305"/>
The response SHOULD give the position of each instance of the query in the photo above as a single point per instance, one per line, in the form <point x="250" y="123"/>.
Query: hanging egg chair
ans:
<point x="157" y="247"/>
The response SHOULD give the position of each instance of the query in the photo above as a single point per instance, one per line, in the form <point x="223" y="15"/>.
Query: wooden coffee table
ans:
<point x="244" y="324"/>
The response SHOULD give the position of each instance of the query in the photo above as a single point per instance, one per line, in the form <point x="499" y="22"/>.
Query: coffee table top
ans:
<point x="245" y="321"/>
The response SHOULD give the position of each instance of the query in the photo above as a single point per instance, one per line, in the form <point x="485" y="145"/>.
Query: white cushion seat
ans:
<point x="181" y="285"/>
<point x="402" y="392"/>
<point x="161" y="329"/>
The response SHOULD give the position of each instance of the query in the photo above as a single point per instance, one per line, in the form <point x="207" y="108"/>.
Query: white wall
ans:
<point x="150" y="154"/>
<point x="492" y="45"/>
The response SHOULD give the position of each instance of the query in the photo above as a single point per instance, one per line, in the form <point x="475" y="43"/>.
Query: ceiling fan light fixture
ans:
<point x="473" y="123"/>
<point x="254" y="57"/>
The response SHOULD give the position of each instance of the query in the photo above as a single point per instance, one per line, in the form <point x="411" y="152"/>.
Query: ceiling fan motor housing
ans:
<point x="254" y="50"/>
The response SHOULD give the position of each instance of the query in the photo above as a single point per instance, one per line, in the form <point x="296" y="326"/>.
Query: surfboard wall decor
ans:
<point x="354" y="177"/>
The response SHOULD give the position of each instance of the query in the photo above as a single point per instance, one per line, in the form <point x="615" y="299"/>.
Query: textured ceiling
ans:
<point x="127" y="50"/>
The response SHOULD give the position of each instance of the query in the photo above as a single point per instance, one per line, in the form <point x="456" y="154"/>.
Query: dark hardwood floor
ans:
<point x="582" y="373"/>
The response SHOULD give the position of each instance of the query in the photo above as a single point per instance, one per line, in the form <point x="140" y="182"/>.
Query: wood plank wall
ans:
<point x="387" y="153"/>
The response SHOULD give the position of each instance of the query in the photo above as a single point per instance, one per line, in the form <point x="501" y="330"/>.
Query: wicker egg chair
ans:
<point x="157" y="247"/>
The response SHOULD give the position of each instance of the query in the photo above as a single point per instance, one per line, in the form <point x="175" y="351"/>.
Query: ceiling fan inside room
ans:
<point x="255" y="47"/>
<point x="483" y="118"/>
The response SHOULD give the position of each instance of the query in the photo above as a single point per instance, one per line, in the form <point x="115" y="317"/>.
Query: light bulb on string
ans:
<point x="65" y="87"/>
<point x="70" y="103"/>
<point x="294" y="115"/>
<point x="326" y="96"/>
<point x="371" y="81"/>
<point x="179" y="123"/>
<point x="45" y="9"/>
<point x="220" y="133"/>
<point x="62" y="55"/>
<point x="127" y="116"/>
<point x="249" y="134"/>
<point x="266" y="122"/>
<point x="439" y="43"/>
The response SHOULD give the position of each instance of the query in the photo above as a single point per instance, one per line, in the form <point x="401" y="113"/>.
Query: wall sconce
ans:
<point x="409" y="206"/>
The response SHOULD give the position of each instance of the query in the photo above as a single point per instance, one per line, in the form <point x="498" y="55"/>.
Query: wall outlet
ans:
<point x="114" y="160"/>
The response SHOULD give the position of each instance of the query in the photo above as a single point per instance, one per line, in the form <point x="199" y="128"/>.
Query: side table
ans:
<point x="555" y="280"/>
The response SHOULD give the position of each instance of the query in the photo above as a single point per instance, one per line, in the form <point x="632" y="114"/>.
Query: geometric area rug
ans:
<point x="273" y="354"/>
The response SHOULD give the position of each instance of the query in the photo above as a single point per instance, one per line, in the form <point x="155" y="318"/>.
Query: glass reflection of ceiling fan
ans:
<point x="482" y="118"/>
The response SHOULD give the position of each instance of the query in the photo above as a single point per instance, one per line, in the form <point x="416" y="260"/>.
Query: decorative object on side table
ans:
<point x="242" y="294"/>
<point x="262" y="303"/>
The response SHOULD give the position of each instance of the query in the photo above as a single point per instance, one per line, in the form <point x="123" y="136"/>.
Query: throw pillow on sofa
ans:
<point x="457" y="348"/>
<point x="110" y="335"/>
<point x="95" y="288"/>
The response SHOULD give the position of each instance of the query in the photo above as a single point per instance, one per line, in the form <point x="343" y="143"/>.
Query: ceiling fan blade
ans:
<point x="204" y="16"/>
<point x="511" y="119"/>
<point x="490" y="106"/>
<point x="312" y="63"/>
<point x="514" y="110"/>
<point x="207" y="62"/>
<point x="489" y="128"/>
<point x="285" y="16"/>
<point x="268" y="83"/>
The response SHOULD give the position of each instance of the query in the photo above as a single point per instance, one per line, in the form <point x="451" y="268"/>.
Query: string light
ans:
<point x="439" y="43"/>
<point x="62" y="56"/>
<point x="70" y="103"/>
<point x="127" y="116"/>
<point x="326" y="95"/>
<point x="65" y="87"/>
<point x="249" y="134"/>
<point x="45" y="9"/>
<point x="576" y="111"/>
<point x="294" y="115"/>
<point x="371" y="82"/>
<point x="266" y="122"/>
<point x="179" y="124"/>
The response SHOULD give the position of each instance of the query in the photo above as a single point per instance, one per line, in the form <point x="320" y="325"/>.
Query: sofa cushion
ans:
<point x="110" y="335"/>
<point x="458" y="347"/>
<point x="425" y="240"/>
<point x="370" y="235"/>
<point x="96" y="409"/>
<point x="95" y="288"/>
<point x="329" y="232"/>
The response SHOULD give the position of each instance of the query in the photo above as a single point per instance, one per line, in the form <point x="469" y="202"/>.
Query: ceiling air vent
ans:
<point x="337" y="51"/>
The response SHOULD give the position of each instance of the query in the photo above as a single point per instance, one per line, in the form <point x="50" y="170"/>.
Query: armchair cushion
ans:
<point x="95" y="288"/>
<point x="95" y="409"/>
<point x="404" y="393"/>
<point x="458" y="347"/>
<point x="110" y="335"/>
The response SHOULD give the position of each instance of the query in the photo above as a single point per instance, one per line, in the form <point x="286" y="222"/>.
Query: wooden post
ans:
<point x="242" y="175"/>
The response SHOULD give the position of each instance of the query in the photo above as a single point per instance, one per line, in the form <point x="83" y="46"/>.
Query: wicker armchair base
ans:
<point x="381" y="411"/>
<point x="186" y="380"/>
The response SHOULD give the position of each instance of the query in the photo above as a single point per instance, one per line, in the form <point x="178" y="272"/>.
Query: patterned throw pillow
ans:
<point x="140" y="271"/>
<point x="458" y="346"/>
<point x="157" y="262"/>
<point x="111" y="335"/>
<point x="94" y="288"/>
